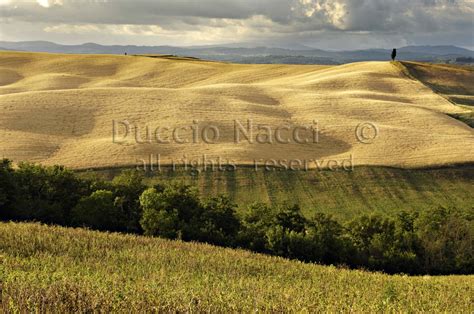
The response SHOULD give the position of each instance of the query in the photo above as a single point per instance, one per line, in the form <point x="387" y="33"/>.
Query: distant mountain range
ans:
<point x="247" y="54"/>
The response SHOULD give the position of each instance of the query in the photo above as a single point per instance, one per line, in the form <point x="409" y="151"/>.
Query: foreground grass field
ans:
<point x="57" y="269"/>
<point x="344" y="194"/>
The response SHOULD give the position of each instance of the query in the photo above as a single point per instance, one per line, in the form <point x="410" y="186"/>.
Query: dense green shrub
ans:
<point x="127" y="188"/>
<point x="290" y="218"/>
<point x="255" y="222"/>
<point x="328" y="240"/>
<point x="447" y="239"/>
<point x="219" y="223"/>
<point x="384" y="243"/>
<point x="7" y="189"/>
<point x="171" y="211"/>
<point x="175" y="211"/>
<point x="158" y="217"/>
<point x="45" y="194"/>
<point x="98" y="211"/>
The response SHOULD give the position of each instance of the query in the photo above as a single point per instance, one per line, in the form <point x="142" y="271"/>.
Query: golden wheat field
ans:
<point x="59" y="109"/>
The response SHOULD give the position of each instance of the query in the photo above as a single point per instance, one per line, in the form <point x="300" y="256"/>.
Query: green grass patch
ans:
<point x="345" y="194"/>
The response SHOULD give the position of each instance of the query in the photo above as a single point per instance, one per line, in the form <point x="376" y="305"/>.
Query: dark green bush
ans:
<point x="447" y="239"/>
<point x="98" y="211"/>
<point x="290" y="218"/>
<point x="127" y="188"/>
<point x="328" y="241"/>
<point x="45" y="194"/>
<point x="7" y="188"/>
<point x="218" y="223"/>
<point x="255" y="222"/>
<point x="175" y="211"/>
<point x="172" y="211"/>
<point x="159" y="217"/>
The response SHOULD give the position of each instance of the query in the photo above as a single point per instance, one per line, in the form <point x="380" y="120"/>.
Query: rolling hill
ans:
<point x="59" y="109"/>
<point x="54" y="269"/>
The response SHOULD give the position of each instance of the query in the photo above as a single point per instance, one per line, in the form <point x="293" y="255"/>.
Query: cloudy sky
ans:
<point x="326" y="24"/>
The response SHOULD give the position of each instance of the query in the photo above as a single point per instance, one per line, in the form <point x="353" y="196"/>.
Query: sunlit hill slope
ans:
<point x="58" y="109"/>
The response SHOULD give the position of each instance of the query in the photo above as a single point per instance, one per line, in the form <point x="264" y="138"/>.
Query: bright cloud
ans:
<point x="49" y="3"/>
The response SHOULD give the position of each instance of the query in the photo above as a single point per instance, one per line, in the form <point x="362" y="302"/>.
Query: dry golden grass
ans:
<point x="59" y="109"/>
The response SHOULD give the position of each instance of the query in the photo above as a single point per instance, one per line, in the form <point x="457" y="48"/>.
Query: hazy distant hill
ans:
<point x="438" y="50"/>
<point x="248" y="54"/>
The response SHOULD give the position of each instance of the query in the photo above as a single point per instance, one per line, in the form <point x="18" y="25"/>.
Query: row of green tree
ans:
<point x="439" y="241"/>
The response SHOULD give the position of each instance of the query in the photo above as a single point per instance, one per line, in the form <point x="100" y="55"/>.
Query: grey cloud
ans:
<point x="285" y="20"/>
